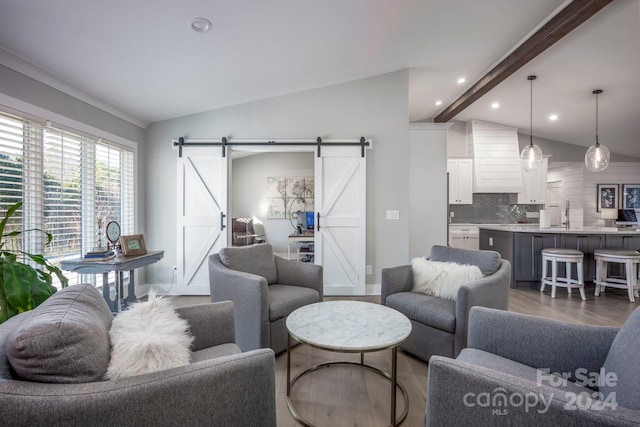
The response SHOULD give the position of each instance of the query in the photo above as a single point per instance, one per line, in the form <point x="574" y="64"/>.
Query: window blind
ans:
<point x="70" y="184"/>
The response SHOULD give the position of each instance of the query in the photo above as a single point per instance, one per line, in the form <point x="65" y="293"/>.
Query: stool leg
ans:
<point x="604" y="275"/>
<point x="544" y="273"/>
<point x="598" y="276"/>
<point x="554" y="277"/>
<point x="631" y="279"/>
<point x="581" y="281"/>
<point x="635" y="287"/>
<point x="567" y="273"/>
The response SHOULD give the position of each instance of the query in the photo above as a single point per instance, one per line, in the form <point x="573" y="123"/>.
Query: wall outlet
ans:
<point x="452" y="214"/>
<point x="369" y="269"/>
<point x="393" y="214"/>
<point x="490" y="241"/>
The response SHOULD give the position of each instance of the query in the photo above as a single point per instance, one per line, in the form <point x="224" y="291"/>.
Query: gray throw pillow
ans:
<point x="254" y="259"/>
<point x="487" y="261"/>
<point x="622" y="361"/>
<point x="65" y="339"/>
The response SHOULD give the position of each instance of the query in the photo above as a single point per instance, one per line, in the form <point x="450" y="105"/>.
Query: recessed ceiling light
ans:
<point x="461" y="80"/>
<point x="438" y="102"/>
<point x="200" y="25"/>
<point x="553" y="117"/>
<point x="495" y="105"/>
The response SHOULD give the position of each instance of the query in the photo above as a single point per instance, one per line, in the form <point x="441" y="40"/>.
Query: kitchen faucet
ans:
<point x="566" y="214"/>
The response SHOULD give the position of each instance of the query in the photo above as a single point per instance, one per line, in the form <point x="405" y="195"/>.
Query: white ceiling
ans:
<point x="142" y="61"/>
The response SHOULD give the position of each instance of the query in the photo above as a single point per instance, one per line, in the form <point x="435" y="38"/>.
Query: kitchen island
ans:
<point x="522" y="245"/>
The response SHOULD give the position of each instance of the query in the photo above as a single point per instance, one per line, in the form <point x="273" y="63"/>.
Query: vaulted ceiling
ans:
<point x="141" y="60"/>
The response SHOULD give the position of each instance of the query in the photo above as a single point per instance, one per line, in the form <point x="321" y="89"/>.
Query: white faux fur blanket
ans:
<point x="442" y="279"/>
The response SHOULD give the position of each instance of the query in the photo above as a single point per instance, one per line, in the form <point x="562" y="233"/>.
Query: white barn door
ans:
<point x="202" y="206"/>
<point x="340" y="201"/>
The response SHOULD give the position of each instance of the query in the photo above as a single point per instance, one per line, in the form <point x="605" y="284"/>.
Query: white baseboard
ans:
<point x="374" y="289"/>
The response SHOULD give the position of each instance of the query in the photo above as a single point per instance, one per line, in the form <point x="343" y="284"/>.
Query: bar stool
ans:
<point x="569" y="257"/>
<point x="629" y="258"/>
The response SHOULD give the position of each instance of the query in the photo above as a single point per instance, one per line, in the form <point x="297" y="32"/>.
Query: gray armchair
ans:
<point x="522" y="370"/>
<point x="265" y="289"/>
<point x="439" y="326"/>
<point x="222" y="386"/>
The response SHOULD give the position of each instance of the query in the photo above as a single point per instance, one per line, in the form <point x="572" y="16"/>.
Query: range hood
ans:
<point x="496" y="157"/>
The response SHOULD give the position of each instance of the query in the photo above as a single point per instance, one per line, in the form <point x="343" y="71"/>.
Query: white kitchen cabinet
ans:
<point x="535" y="186"/>
<point x="460" y="181"/>
<point x="465" y="237"/>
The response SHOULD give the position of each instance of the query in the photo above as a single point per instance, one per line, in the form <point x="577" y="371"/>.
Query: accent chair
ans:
<point x="439" y="326"/>
<point x="265" y="289"/>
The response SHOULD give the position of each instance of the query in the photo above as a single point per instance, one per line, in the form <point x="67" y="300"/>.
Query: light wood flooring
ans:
<point x="351" y="396"/>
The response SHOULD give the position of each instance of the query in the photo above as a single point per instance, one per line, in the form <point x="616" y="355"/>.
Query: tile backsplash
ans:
<point x="493" y="208"/>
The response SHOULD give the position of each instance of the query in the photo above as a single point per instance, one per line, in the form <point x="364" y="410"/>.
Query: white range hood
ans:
<point x="496" y="157"/>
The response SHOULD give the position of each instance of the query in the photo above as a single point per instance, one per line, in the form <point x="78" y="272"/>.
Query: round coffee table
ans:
<point x="349" y="327"/>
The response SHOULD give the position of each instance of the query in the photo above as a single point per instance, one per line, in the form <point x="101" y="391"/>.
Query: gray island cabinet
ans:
<point x="523" y="245"/>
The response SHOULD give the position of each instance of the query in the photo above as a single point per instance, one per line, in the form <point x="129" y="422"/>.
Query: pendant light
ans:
<point x="597" y="157"/>
<point x="531" y="156"/>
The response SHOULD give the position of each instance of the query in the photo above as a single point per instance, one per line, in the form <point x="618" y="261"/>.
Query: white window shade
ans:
<point x="66" y="181"/>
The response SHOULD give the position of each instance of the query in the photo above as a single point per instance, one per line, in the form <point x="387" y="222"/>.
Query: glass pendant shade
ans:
<point x="597" y="158"/>
<point x="531" y="158"/>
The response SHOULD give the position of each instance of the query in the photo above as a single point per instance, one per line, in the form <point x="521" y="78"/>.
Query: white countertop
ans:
<point x="534" y="228"/>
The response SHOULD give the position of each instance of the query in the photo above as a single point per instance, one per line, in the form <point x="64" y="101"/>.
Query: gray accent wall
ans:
<point x="375" y="108"/>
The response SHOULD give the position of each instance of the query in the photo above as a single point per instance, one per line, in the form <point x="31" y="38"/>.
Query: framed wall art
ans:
<point x="630" y="196"/>
<point x="133" y="245"/>
<point x="607" y="196"/>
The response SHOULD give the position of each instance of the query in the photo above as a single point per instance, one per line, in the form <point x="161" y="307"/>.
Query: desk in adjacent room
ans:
<point x="118" y="265"/>
<point x="298" y="239"/>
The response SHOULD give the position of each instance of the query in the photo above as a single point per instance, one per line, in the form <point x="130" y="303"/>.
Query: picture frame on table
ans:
<point x="608" y="196"/>
<point x="630" y="196"/>
<point x="133" y="245"/>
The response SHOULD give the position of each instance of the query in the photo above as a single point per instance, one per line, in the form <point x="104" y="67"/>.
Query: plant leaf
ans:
<point x="12" y="209"/>
<point x="19" y="281"/>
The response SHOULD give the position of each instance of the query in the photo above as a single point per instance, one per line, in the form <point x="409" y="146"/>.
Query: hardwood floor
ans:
<point x="350" y="396"/>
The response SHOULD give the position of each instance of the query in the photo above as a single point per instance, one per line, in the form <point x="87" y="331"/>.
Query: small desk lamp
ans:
<point x="609" y="215"/>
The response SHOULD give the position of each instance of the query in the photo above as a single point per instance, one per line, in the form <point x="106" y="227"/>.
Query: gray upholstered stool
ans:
<point x="629" y="258"/>
<point x="569" y="257"/>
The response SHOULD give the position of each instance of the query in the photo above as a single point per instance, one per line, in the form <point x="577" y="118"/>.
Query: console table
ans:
<point x="118" y="265"/>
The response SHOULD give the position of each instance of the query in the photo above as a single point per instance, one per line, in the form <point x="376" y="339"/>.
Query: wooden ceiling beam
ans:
<point x="568" y="19"/>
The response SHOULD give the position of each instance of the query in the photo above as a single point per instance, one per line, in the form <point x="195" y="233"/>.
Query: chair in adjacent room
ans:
<point x="439" y="326"/>
<point x="265" y="289"/>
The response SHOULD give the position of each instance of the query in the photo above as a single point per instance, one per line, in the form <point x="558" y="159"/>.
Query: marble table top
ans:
<point x="349" y="326"/>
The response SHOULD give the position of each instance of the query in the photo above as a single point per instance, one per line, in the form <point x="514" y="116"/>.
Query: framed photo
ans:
<point x="630" y="196"/>
<point x="607" y="196"/>
<point x="133" y="245"/>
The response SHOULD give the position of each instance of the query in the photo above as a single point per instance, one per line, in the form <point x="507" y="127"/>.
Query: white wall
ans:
<point x="580" y="186"/>
<point x="375" y="108"/>
<point x="249" y="190"/>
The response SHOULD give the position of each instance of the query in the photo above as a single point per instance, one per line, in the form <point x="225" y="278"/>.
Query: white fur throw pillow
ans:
<point x="148" y="337"/>
<point x="442" y="279"/>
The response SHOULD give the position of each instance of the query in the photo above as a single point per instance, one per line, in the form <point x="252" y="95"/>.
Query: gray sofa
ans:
<point x="265" y="289"/>
<point x="439" y="326"/>
<point x="510" y="374"/>
<point x="61" y="350"/>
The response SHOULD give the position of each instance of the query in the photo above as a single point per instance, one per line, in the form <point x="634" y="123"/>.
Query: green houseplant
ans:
<point x="23" y="287"/>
